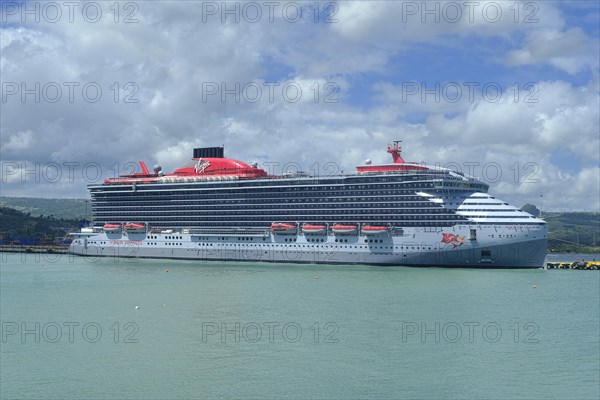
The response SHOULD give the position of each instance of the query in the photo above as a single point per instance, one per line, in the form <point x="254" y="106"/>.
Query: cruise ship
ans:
<point x="401" y="213"/>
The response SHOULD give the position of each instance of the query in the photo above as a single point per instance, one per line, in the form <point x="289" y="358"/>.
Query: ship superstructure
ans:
<point x="401" y="213"/>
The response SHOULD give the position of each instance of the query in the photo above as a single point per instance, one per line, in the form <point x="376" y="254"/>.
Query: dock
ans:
<point x="36" y="249"/>
<point x="581" y="265"/>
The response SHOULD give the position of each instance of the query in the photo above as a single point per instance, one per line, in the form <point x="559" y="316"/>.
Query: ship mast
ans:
<point x="395" y="151"/>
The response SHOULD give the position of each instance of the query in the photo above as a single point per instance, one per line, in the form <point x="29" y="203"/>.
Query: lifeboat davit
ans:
<point x="314" y="229"/>
<point x="281" y="228"/>
<point x="112" y="228"/>
<point x="372" y="230"/>
<point x="135" y="228"/>
<point x="341" y="229"/>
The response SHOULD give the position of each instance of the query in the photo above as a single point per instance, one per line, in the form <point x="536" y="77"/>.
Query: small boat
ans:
<point x="341" y="229"/>
<point x="281" y="228"/>
<point x="310" y="229"/>
<point x="112" y="228"/>
<point x="372" y="230"/>
<point x="135" y="228"/>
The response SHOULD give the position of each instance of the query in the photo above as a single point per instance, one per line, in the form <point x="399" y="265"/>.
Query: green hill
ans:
<point x="573" y="232"/>
<point x="55" y="208"/>
<point x="15" y="223"/>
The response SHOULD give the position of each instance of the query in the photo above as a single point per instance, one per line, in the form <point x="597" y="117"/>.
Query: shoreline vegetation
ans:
<point x="34" y="222"/>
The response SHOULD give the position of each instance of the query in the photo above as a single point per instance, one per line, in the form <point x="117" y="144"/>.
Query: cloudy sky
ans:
<point x="506" y="91"/>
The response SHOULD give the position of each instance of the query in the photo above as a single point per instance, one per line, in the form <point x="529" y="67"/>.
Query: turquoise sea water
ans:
<point x="71" y="329"/>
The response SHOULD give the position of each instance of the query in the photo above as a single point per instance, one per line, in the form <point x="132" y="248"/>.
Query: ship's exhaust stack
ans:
<point x="209" y="152"/>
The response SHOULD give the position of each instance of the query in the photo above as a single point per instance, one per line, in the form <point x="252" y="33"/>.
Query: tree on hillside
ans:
<point x="531" y="209"/>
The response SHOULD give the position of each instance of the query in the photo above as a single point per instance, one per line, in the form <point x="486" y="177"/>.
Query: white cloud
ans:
<point x="171" y="55"/>
<point x="19" y="141"/>
<point x="394" y="23"/>
<point x="571" y="50"/>
<point x="174" y="156"/>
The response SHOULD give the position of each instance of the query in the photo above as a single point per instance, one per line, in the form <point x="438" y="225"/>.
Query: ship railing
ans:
<point x="228" y="232"/>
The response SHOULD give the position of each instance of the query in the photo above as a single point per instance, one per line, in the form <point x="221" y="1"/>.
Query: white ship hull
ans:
<point x="487" y="246"/>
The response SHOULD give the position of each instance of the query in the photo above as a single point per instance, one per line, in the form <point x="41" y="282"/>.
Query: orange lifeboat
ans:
<point x="281" y="228"/>
<point x="372" y="230"/>
<point x="135" y="228"/>
<point x="314" y="229"/>
<point x="111" y="228"/>
<point x="341" y="229"/>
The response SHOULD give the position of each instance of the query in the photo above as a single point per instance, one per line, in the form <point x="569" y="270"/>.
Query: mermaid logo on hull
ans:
<point x="455" y="240"/>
